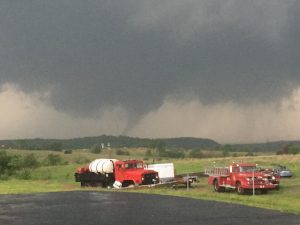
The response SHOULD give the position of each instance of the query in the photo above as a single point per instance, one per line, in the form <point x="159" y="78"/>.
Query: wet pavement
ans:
<point x="116" y="208"/>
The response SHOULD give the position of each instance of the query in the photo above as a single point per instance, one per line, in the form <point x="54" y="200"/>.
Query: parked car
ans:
<point x="283" y="171"/>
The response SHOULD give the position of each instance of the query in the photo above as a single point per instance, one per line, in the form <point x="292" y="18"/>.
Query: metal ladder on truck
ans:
<point x="217" y="172"/>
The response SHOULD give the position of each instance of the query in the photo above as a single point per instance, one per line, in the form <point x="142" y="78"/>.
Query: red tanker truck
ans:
<point x="240" y="177"/>
<point x="117" y="173"/>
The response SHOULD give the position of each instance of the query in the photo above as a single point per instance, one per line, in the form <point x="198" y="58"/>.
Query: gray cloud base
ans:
<point x="134" y="54"/>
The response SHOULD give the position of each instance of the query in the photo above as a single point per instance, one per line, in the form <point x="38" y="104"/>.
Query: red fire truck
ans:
<point x="117" y="173"/>
<point x="242" y="178"/>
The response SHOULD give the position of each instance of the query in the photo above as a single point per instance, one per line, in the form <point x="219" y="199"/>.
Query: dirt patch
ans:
<point x="70" y="186"/>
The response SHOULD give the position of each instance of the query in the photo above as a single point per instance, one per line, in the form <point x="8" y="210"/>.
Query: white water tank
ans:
<point x="102" y="166"/>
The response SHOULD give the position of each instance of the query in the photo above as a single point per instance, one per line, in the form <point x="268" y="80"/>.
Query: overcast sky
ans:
<point x="222" y="69"/>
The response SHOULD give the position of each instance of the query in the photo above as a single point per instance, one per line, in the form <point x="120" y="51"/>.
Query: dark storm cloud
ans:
<point x="135" y="54"/>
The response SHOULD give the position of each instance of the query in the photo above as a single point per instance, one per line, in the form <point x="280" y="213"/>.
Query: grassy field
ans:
<point x="61" y="178"/>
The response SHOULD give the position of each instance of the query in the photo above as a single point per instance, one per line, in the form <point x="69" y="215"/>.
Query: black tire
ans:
<point x="127" y="183"/>
<point x="239" y="188"/>
<point x="216" y="186"/>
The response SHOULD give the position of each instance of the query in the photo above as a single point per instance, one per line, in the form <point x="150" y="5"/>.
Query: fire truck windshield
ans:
<point x="248" y="168"/>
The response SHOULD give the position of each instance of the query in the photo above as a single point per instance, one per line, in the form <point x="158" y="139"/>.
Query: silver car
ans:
<point x="283" y="171"/>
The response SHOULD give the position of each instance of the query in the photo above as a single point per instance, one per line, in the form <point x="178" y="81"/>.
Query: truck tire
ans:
<point x="239" y="188"/>
<point x="216" y="186"/>
<point x="127" y="183"/>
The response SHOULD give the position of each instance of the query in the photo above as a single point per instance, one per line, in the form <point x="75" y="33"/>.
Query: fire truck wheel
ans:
<point x="239" y="188"/>
<point x="217" y="188"/>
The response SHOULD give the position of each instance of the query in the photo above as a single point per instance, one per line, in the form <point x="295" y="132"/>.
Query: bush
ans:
<point x="122" y="152"/>
<point x="69" y="151"/>
<point x="54" y="160"/>
<point x="249" y="154"/>
<point x="81" y="160"/>
<point x="148" y="153"/>
<point x="172" y="154"/>
<point x="293" y="149"/>
<point x="14" y="165"/>
<point x="30" y="162"/>
<point x="25" y="174"/>
<point x="9" y="164"/>
<point x="96" y="148"/>
<point x="195" y="153"/>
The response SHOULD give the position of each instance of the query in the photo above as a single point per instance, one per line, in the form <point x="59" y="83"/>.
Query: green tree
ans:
<point x="9" y="164"/>
<point x="96" y="148"/>
<point x="30" y="161"/>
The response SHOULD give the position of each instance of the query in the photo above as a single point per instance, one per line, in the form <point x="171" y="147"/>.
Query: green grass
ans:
<point x="61" y="178"/>
<point x="32" y="186"/>
<point x="284" y="200"/>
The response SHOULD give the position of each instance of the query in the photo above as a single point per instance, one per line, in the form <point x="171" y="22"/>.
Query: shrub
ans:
<point x="172" y="154"/>
<point x="9" y="164"/>
<point x="249" y="154"/>
<point x="81" y="160"/>
<point x="54" y="160"/>
<point x="69" y="151"/>
<point x="195" y="153"/>
<point x="25" y="174"/>
<point x="30" y="162"/>
<point x="96" y="148"/>
<point x="121" y="152"/>
<point x="148" y="153"/>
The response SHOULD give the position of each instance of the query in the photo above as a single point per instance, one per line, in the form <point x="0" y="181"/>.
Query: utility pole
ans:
<point x="253" y="182"/>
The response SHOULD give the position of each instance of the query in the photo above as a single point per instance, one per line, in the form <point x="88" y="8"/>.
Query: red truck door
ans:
<point x="234" y="170"/>
<point x="119" y="172"/>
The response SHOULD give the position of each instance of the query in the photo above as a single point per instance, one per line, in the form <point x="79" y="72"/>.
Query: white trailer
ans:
<point x="165" y="171"/>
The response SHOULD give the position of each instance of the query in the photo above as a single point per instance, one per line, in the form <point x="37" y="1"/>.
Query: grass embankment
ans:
<point x="61" y="178"/>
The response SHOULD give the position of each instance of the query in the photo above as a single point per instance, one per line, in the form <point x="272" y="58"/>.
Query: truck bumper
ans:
<point x="261" y="186"/>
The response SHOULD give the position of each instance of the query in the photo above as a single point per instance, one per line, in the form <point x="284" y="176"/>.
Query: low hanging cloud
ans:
<point x="25" y="115"/>
<point x="225" y="122"/>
